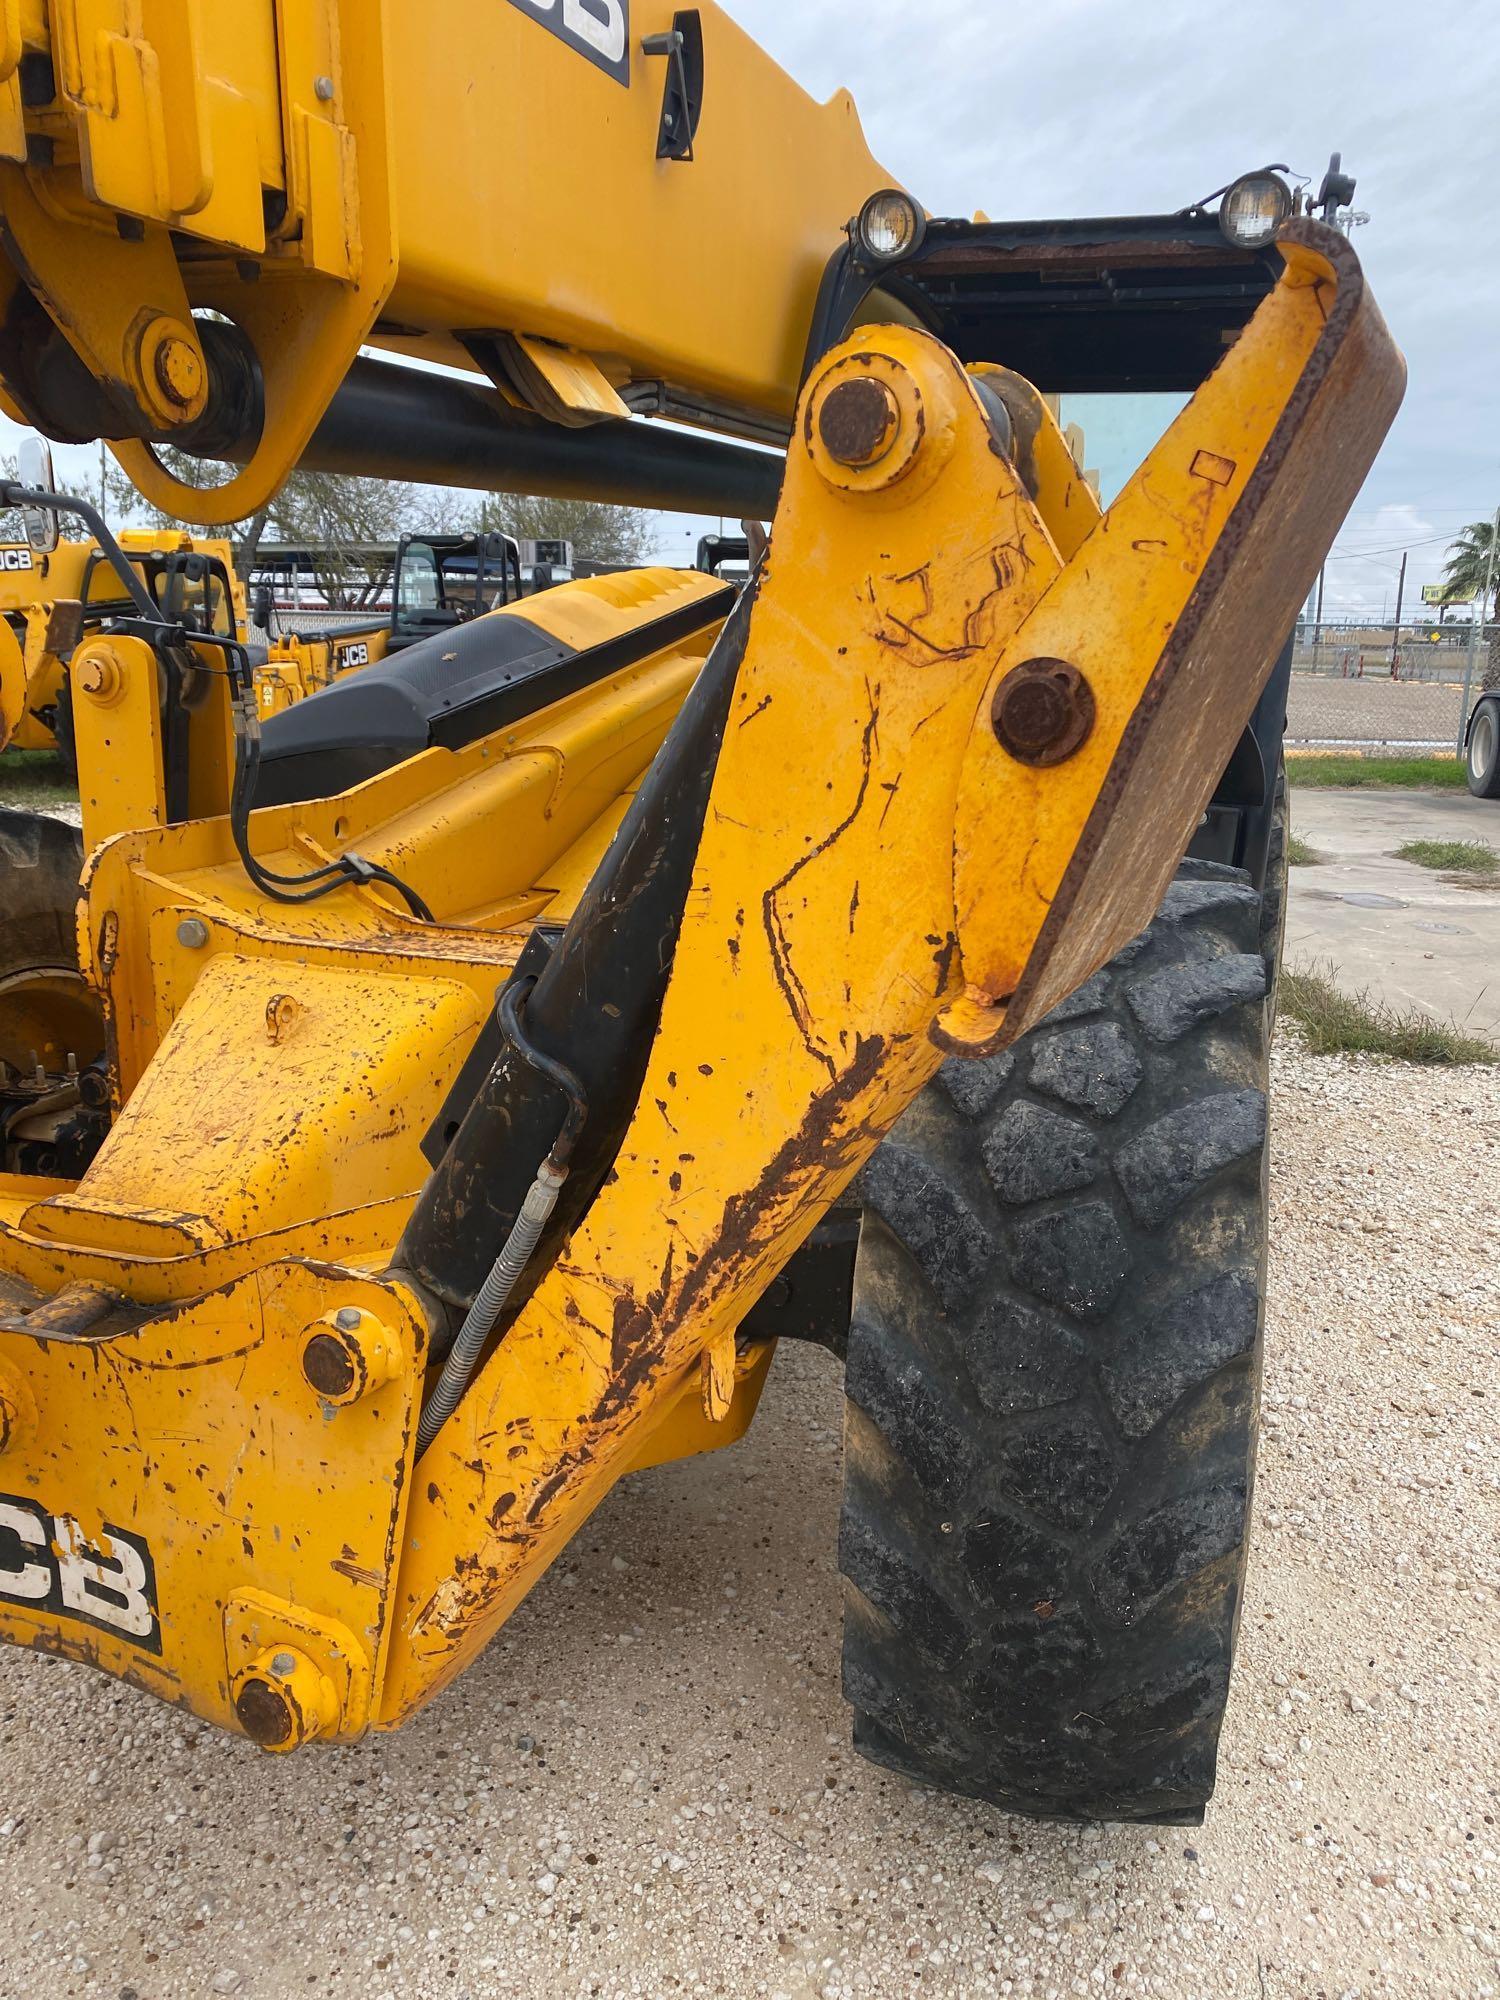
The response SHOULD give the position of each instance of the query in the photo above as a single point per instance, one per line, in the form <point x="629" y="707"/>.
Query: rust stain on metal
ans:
<point x="1043" y="711"/>
<point x="282" y="1011"/>
<point x="792" y="989"/>
<point x="1209" y="465"/>
<point x="328" y="1365"/>
<point x="857" y="419"/>
<point x="263" y="1713"/>
<point x="369" y="1579"/>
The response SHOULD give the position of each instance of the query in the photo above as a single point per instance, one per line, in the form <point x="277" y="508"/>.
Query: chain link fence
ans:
<point x="310" y="618"/>
<point x="1363" y="690"/>
<point x="1349" y="689"/>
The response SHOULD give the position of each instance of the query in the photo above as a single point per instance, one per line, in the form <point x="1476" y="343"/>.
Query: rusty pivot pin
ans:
<point x="284" y="1699"/>
<point x="1042" y="711"/>
<point x="349" y="1354"/>
<point x="857" y="421"/>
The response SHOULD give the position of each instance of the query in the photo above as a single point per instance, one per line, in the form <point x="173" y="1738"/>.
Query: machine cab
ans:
<point x="445" y="580"/>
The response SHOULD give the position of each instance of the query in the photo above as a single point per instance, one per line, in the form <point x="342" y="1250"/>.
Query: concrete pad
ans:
<point x="1412" y="937"/>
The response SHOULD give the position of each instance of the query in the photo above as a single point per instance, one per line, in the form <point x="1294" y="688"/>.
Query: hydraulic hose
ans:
<point x="314" y="882"/>
<point x="525" y="1232"/>
<point x="489" y="1302"/>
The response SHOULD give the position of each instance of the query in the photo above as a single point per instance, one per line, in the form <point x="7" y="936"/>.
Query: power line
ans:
<point x="1392" y="549"/>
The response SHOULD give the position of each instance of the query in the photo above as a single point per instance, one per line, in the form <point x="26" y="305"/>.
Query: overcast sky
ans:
<point x="1088" y="107"/>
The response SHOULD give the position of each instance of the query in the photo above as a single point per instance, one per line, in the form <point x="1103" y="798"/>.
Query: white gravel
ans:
<point x="646" y="1786"/>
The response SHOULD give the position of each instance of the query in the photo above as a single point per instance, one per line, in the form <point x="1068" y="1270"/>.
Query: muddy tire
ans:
<point x="1052" y="1388"/>
<point x="1274" y="895"/>
<point x="46" y="1011"/>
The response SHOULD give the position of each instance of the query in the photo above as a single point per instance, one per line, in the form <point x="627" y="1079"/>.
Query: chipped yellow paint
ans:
<point x="191" y="1433"/>
<point x="834" y="944"/>
<point x="820" y="963"/>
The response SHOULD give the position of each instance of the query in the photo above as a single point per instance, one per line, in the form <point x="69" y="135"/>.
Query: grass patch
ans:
<point x="1335" y="1022"/>
<point x="1345" y="768"/>
<point x="32" y="777"/>
<point x="1299" y="854"/>
<point x="1456" y="857"/>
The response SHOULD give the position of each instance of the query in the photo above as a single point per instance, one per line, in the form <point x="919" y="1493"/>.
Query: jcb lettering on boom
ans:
<point x="16" y="559"/>
<point x="598" y="29"/>
<point x="48" y="1563"/>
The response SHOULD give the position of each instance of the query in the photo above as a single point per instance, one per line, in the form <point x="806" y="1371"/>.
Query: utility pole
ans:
<point x="1396" y="635"/>
<point x="1318" y="619"/>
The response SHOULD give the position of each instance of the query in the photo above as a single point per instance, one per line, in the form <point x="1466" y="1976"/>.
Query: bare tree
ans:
<point x="336" y="518"/>
<point x="12" y="527"/>
<point x="623" y="536"/>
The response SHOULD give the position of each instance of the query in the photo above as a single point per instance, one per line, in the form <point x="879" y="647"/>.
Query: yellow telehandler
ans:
<point x="54" y="591"/>
<point x="438" y="582"/>
<point x="507" y="1045"/>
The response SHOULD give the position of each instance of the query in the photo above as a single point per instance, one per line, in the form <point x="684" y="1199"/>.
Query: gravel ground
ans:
<point x="646" y="1786"/>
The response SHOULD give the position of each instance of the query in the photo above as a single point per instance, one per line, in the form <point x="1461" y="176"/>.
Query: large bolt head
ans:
<point x="870" y="420"/>
<point x="347" y="1355"/>
<point x="98" y="674"/>
<point x="858" y="420"/>
<point x="283" y="1700"/>
<point x="1042" y="711"/>
<point x="179" y="372"/>
<point x="169" y="368"/>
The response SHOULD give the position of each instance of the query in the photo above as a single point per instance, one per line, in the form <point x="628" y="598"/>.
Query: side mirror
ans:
<point x="262" y="607"/>
<point x="34" y="469"/>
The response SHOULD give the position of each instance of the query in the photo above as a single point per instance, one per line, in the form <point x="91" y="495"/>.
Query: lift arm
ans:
<point x="944" y="756"/>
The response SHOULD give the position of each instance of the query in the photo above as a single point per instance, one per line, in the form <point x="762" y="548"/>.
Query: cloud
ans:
<point x="1088" y="107"/>
<point x="1367" y="583"/>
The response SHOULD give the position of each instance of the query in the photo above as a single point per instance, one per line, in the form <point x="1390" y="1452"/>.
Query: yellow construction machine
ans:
<point x="438" y="582"/>
<point x="499" y="1051"/>
<point x="54" y="591"/>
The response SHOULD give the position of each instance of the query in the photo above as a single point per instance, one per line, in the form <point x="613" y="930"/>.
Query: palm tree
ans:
<point x="1474" y="563"/>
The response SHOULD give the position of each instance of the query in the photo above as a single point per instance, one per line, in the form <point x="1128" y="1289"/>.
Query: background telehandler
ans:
<point x="496" y="1063"/>
<point x="438" y="581"/>
<point x="55" y="590"/>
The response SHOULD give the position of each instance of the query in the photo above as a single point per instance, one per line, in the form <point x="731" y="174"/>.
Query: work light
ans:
<point x="1253" y="209"/>
<point x="890" y="225"/>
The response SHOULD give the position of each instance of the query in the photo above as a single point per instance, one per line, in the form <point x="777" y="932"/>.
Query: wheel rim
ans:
<point x="1482" y="743"/>
<point x="47" y="1013"/>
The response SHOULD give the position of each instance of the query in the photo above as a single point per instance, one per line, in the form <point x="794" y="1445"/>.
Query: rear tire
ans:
<point x="46" y="1011"/>
<point x="1482" y="762"/>
<point x="1052" y="1388"/>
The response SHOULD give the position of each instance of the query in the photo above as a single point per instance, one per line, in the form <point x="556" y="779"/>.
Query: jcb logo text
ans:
<point x="47" y="1562"/>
